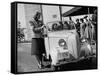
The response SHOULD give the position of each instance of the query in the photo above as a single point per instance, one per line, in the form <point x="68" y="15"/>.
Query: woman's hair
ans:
<point x="37" y="16"/>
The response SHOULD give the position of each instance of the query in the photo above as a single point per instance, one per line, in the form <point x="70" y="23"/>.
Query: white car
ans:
<point x="63" y="44"/>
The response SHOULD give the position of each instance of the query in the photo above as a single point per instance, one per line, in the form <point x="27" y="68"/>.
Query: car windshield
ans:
<point x="58" y="26"/>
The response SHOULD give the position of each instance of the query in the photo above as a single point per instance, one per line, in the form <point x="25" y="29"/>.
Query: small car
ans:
<point x="63" y="44"/>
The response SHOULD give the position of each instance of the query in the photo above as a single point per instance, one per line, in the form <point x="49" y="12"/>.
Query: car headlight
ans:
<point x="62" y="43"/>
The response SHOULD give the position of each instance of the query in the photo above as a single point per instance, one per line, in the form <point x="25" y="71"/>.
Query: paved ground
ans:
<point x="28" y="62"/>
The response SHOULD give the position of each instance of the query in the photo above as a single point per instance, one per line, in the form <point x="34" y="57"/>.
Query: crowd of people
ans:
<point x="86" y="27"/>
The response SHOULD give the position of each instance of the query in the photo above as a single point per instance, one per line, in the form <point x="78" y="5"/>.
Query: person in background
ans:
<point x="66" y="25"/>
<point x="82" y="27"/>
<point x="94" y="22"/>
<point x="55" y="27"/>
<point x="93" y="34"/>
<point x="60" y="25"/>
<point x="94" y="18"/>
<point x="78" y="26"/>
<point x="71" y="23"/>
<point x="37" y="25"/>
<point x="88" y="29"/>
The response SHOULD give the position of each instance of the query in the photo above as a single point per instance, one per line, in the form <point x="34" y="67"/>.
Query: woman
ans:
<point x="38" y="42"/>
